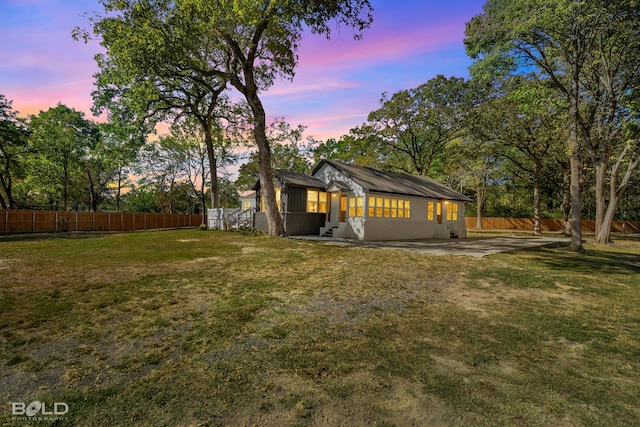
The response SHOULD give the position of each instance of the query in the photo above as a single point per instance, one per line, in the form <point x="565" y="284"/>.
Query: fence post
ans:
<point x="6" y="222"/>
<point x="33" y="222"/>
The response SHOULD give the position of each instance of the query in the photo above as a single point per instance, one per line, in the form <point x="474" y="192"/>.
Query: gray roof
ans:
<point x="298" y="179"/>
<point x="395" y="182"/>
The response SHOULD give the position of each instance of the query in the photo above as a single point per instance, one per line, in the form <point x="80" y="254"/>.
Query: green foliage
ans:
<point x="413" y="126"/>
<point x="286" y="153"/>
<point x="63" y="142"/>
<point x="13" y="148"/>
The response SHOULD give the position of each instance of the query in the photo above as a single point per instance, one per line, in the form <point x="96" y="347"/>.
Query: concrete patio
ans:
<point x="475" y="247"/>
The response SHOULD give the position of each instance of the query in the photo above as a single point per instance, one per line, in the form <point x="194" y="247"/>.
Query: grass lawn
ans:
<point x="203" y="328"/>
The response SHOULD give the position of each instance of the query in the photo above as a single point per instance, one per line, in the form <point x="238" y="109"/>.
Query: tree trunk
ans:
<point x="6" y="187"/>
<point x="276" y="227"/>
<point x="574" y="155"/>
<point x="601" y="174"/>
<point x="604" y="232"/>
<point x="211" y="154"/>
<point x="479" y="205"/>
<point x="566" y="203"/>
<point x="92" y="192"/>
<point x="65" y="189"/>
<point x="537" y="227"/>
<point x="119" y="191"/>
<point x="615" y="195"/>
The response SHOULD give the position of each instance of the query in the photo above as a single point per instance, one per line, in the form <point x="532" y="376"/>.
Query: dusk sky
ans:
<point x="337" y="83"/>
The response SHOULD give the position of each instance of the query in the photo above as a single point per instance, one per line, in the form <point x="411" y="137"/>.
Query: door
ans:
<point x="439" y="212"/>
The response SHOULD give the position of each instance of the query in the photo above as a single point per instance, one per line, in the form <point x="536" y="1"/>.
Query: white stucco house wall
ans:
<point x="355" y="202"/>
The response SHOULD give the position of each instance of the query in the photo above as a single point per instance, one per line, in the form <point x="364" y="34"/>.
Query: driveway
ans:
<point x="475" y="247"/>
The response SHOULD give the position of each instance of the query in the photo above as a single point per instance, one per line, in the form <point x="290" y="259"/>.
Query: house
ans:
<point x="247" y="200"/>
<point x="362" y="203"/>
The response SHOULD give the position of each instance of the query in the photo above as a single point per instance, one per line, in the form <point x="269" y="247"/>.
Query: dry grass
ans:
<point x="208" y="328"/>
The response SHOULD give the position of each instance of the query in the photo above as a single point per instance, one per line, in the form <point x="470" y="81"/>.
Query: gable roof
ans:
<point x="395" y="182"/>
<point x="297" y="179"/>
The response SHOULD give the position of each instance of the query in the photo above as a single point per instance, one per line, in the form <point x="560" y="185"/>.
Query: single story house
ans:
<point x="362" y="203"/>
<point x="247" y="199"/>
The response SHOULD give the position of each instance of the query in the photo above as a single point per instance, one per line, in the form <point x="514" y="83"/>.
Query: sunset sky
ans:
<point x="337" y="82"/>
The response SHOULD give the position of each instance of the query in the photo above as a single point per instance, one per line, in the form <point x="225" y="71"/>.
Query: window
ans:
<point x="263" y="208"/>
<point x="355" y="206"/>
<point x="382" y="207"/>
<point x="430" y="212"/>
<point x="246" y="204"/>
<point x="452" y="211"/>
<point x="322" y="202"/>
<point x="316" y="201"/>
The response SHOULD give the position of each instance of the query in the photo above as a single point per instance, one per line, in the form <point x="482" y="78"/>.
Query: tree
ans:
<point x="13" y="146"/>
<point x="416" y="124"/>
<point x="572" y="43"/>
<point x="360" y="148"/>
<point x="529" y="130"/>
<point x="261" y="39"/>
<point x="62" y="139"/>
<point x="158" y="68"/>
<point x="471" y="162"/>
<point x="120" y="144"/>
<point x="247" y="43"/>
<point x="286" y="153"/>
<point x="553" y="37"/>
<point x="188" y="148"/>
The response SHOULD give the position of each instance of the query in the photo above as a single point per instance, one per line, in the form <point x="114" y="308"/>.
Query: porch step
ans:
<point x="329" y="232"/>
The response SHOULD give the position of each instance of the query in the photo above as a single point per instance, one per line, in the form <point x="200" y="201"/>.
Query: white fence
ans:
<point x="229" y="218"/>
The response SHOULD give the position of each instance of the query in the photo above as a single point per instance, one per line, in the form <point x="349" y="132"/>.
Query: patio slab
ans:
<point x="475" y="247"/>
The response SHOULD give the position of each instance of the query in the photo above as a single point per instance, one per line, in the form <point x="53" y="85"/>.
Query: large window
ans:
<point x="355" y="206"/>
<point x="383" y="207"/>
<point x="316" y="201"/>
<point x="452" y="211"/>
<point x="263" y="208"/>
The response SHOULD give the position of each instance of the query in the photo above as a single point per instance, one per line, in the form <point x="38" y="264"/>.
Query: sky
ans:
<point x="337" y="82"/>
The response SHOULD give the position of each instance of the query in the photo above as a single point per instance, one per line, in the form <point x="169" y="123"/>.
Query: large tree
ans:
<point x="158" y="67"/>
<point x="62" y="140"/>
<point x="529" y="131"/>
<point x="262" y="39"/>
<point x="248" y="43"/>
<point x="571" y="42"/>
<point x="13" y="147"/>
<point x="415" y="125"/>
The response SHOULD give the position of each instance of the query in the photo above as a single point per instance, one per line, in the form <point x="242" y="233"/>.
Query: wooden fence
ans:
<point x="547" y="224"/>
<point x="30" y="221"/>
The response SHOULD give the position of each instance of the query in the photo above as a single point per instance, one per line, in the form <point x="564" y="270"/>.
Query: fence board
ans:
<point x="15" y="221"/>
<point x="588" y="225"/>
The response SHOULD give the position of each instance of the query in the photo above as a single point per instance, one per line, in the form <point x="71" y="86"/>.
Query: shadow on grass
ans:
<point x="49" y="236"/>
<point x="587" y="262"/>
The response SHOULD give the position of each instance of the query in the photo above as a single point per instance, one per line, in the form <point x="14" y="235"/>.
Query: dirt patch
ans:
<point x="484" y="297"/>
<point x="206" y="259"/>
<point x="367" y="400"/>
